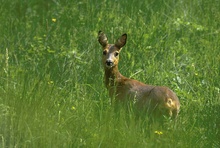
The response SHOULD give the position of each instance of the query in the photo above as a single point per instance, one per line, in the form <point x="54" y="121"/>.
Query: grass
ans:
<point x="52" y="92"/>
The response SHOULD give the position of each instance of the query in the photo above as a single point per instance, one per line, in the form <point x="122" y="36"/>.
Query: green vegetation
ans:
<point x="51" y="78"/>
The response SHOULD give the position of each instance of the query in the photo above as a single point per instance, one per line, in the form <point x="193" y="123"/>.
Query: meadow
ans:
<point x="51" y="78"/>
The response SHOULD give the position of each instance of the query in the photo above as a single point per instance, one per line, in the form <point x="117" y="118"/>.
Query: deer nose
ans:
<point x="109" y="63"/>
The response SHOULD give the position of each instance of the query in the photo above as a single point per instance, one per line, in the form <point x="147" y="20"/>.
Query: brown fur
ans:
<point x="157" y="100"/>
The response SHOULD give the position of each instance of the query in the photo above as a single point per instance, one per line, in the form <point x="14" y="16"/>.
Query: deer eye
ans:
<point x="104" y="52"/>
<point x="116" y="54"/>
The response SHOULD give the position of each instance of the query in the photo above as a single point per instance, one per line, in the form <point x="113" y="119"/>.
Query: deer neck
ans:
<point x="112" y="76"/>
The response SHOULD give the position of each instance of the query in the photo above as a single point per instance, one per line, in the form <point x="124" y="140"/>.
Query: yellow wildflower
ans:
<point x="73" y="108"/>
<point x="54" y="20"/>
<point x="158" y="132"/>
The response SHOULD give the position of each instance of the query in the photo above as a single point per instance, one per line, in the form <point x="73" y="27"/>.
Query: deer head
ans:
<point x="111" y="51"/>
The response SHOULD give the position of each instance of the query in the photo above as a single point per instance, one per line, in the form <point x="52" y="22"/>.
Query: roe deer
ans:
<point x="156" y="100"/>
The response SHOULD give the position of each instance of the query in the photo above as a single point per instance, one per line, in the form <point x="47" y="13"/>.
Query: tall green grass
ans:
<point x="52" y="92"/>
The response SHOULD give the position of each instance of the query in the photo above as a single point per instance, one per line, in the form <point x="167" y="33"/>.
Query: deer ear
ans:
<point x="103" y="40"/>
<point x="121" y="41"/>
